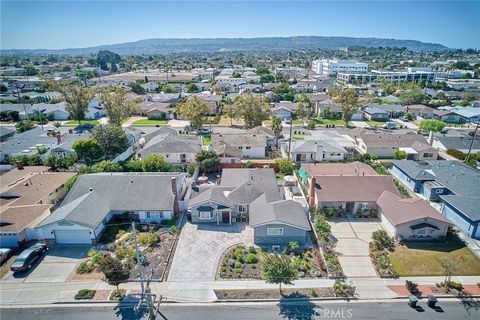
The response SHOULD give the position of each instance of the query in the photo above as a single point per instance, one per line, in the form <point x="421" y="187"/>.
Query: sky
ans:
<point x="74" y="24"/>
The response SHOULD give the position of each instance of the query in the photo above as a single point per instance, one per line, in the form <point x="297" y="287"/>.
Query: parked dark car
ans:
<point x="4" y="255"/>
<point x="28" y="257"/>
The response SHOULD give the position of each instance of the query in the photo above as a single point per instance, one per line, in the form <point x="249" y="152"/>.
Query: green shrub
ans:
<point x="252" y="249"/>
<point x="120" y="233"/>
<point x="314" y="293"/>
<point x="117" y="295"/>
<point x="238" y="270"/>
<point x="124" y="252"/>
<point x="84" y="294"/>
<point x="251" y="258"/>
<point x="411" y="286"/>
<point x="455" y="285"/>
<point x="92" y="252"/>
<point x="85" y="267"/>
<point x="149" y="238"/>
<point x="174" y="230"/>
<point x="382" y="239"/>
<point x="342" y="289"/>
<point x="238" y="264"/>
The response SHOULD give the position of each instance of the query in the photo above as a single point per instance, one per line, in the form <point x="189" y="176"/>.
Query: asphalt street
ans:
<point x="261" y="311"/>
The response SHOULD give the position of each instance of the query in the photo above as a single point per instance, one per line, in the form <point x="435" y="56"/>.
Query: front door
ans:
<point x="349" y="207"/>
<point x="225" y="217"/>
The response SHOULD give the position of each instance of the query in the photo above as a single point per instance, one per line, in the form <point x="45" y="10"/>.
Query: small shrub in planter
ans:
<point x="342" y="289"/>
<point x="240" y="258"/>
<point x="174" y="230"/>
<point x="301" y="274"/>
<point x="238" y="270"/>
<point x="317" y="273"/>
<point x="92" y="252"/>
<point x="238" y="264"/>
<point x="231" y="263"/>
<point x="314" y="293"/>
<point x="85" y="294"/>
<point x="252" y="249"/>
<point x="85" y="267"/>
<point x="411" y="286"/>
<point x="117" y="295"/>
<point x="251" y="258"/>
<point x="120" y="233"/>
<point x="451" y="285"/>
<point x="223" y="269"/>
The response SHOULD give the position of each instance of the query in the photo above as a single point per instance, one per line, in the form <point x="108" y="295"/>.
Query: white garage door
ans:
<point x="72" y="237"/>
<point x="8" y="240"/>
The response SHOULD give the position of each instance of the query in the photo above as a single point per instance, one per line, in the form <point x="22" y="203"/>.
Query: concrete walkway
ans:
<point x="131" y="120"/>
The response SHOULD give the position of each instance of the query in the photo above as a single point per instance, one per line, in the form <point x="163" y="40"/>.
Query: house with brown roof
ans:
<point x="411" y="219"/>
<point x="26" y="198"/>
<point x="384" y="145"/>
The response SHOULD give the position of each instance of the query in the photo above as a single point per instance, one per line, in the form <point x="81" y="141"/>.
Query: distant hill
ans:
<point x="163" y="46"/>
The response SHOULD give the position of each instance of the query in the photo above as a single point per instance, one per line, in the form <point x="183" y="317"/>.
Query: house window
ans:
<point x="160" y="213"/>
<point x="242" y="208"/>
<point x="422" y="231"/>
<point x="147" y="214"/>
<point x="428" y="155"/>
<point x="205" y="215"/>
<point x="276" y="248"/>
<point x="438" y="190"/>
<point x="274" y="231"/>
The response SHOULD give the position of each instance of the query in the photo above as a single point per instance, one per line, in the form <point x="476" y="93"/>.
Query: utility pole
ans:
<point x="137" y="256"/>
<point x="290" y="140"/>
<point x="473" y="140"/>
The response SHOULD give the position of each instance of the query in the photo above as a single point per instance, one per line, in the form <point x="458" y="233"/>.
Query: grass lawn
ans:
<point x="207" y="140"/>
<point x="148" y="122"/>
<point x="338" y="123"/>
<point x="297" y="122"/>
<point x="421" y="258"/>
<point x="74" y="123"/>
<point x="375" y="124"/>
<point x="298" y="137"/>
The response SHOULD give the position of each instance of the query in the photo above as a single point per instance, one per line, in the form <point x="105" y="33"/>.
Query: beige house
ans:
<point x="410" y="219"/>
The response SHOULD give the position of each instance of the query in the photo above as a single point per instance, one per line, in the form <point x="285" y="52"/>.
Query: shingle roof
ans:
<point x="284" y="211"/>
<point x="15" y="219"/>
<point x="400" y="210"/>
<point x="469" y="206"/>
<point x="385" y="140"/>
<point x="114" y="191"/>
<point x="355" y="168"/>
<point x="353" y="188"/>
<point x="169" y="142"/>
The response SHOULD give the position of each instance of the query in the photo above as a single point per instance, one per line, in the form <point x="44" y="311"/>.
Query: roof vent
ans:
<point x="90" y="189"/>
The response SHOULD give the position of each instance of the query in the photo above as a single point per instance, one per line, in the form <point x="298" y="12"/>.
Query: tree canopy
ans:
<point x="252" y="109"/>
<point x="88" y="149"/>
<point x="194" y="110"/>
<point x="278" y="269"/>
<point x="117" y="105"/>
<point x="208" y="160"/>
<point x="348" y="100"/>
<point x="432" y="125"/>
<point x="111" y="138"/>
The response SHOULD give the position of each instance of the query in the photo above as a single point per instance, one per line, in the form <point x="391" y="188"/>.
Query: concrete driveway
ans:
<point x="55" y="266"/>
<point x="200" y="248"/>
<point x="353" y="237"/>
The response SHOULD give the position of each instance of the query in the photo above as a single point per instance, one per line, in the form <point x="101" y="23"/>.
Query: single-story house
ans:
<point x="313" y="150"/>
<point x="239" y="146"/>
<point x="420" y="151"/>
<point x="349" y="192"/>
<point x="284" y="109"/>
<point x="393" y="110"/>
<point x="375" y="114"/>
<point x="384" y="145"/>
<point x="411" y="219"/>
<point x="27" y="196"/>
<point x="452" y="183"/>
<point x="420" y="110"/>
<point x="172" y="147"/>
<point x="461" y="143"/>
<point x="96" y="198"/>
<point x="252" y="195"/>
<point x="26" y="143"/>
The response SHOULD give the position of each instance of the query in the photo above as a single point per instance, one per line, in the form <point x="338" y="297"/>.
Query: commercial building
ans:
<point x="326" y="66"/>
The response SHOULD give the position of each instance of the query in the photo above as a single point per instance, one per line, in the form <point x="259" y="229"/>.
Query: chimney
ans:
<point x="19" y="165"/>
<point x="176" y="205"/>
<point x="59" y="138"/>
<point x="311" y="193"/>
<point x="430" y="138"/>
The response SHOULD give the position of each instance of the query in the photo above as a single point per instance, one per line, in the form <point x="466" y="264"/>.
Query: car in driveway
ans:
<point x="26" y="259"/>
<point x="4" y="255"/>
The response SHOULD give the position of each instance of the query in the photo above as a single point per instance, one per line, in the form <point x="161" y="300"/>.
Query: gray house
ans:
<point x="252" y="195"/>
<point x="375" y="114"/>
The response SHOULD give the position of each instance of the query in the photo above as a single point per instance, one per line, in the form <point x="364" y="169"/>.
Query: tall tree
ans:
<point x="252" y="109"/>
<point x="278" y="269"/>
<point x="305" y="108"/>
<point x="117" y="105"/>
<point x="77" y="98"/>
<point x="111" y="138"/>
<point x="348" y="100"/>
<point x="194" y="110"/>
<point x="88" y="149"/>
<point x="114" y="271"/>
<point x="277" y="128"/>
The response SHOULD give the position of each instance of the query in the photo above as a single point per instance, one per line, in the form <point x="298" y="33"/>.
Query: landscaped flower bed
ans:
<point x="379" y="249"/>
<point x="366" y="213"/>
<point x="246" y="263"/>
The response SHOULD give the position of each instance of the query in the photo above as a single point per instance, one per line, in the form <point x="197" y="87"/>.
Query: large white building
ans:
<point x="326" y="66"/>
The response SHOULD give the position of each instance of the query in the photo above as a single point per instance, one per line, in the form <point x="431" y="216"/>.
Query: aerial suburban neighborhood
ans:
<point x="298" y="175"/>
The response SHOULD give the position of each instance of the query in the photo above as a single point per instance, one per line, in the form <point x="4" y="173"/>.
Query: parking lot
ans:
<point x="55" y="266"/>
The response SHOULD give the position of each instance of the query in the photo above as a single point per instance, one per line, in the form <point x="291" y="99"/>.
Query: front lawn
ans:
<point x="338" y="123"/>
<point x="149" y="122"/>
<point x="298" y="137"/>
<point x="375" y="124"/>
<point x="74" y="123"/>
<point x="421" y="258"/>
